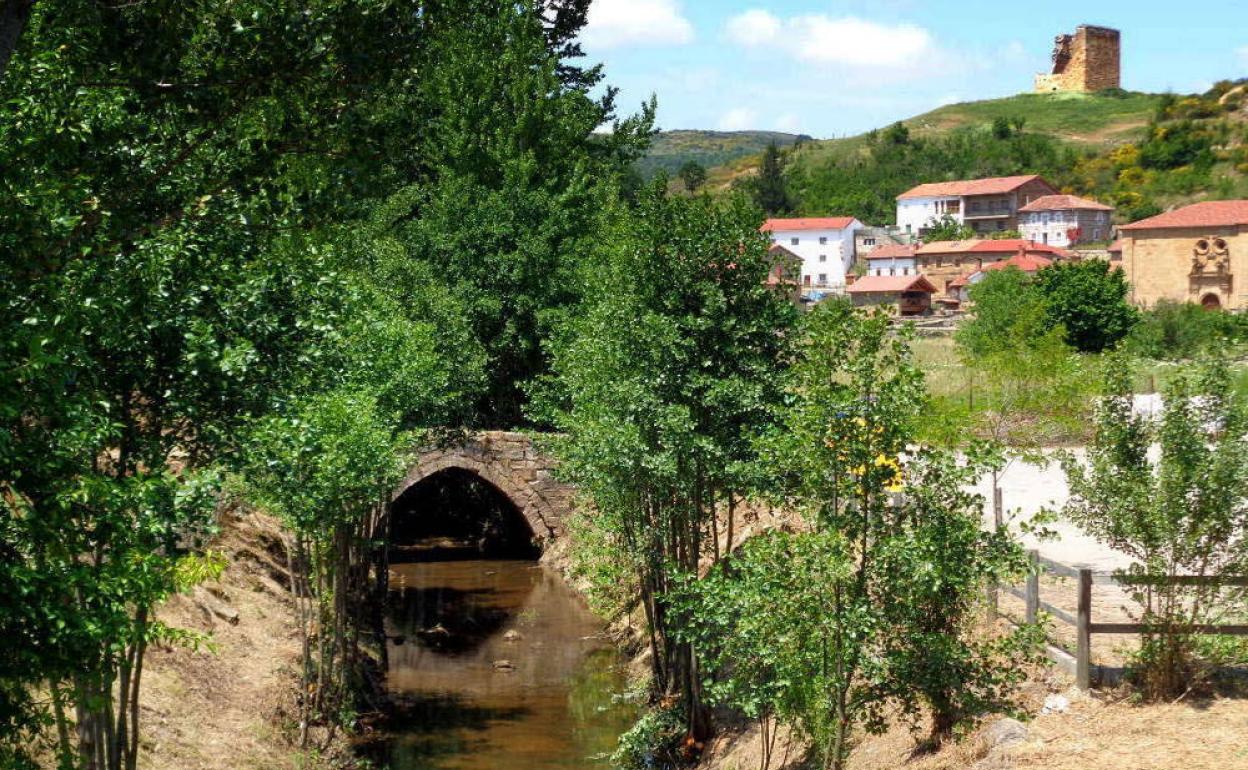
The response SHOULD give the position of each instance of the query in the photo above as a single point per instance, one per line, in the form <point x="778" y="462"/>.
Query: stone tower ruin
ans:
<point x="1084" y="62"/>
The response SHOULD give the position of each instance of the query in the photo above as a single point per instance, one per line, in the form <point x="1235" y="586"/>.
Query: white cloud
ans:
<point x="859" y="43"/>
<point x="845" y="40"/>
<point x="738" y="119"/>
<point x="620" y="23"/>
<point x="753" y="28"/>
<point x="789" y="124"/>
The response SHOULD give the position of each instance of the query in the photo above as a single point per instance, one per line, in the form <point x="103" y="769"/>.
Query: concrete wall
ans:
<point x="1052" y="227"/>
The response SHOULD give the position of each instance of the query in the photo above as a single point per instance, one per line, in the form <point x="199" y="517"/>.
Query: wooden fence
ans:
<point x="1082" y="620"/>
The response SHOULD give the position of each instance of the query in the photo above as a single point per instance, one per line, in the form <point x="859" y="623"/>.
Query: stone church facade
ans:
<point x="1198" y="254"/>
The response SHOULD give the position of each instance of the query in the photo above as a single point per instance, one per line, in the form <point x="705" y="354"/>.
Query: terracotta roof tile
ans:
<point x="884" y="284"/>
<point x="1207" y="214"/>
<point x="1064" y="203"/>
<point x="988" y="246"/>
<point x="893" y="251"/>
<point x="807" y="223"/>
<point x="1028" y="263"/>
<point x="993" y="186"/>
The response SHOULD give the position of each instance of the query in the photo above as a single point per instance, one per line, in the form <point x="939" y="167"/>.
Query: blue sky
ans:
<point x="836" y="68"/>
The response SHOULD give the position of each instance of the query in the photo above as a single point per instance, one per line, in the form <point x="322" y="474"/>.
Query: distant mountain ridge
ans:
<point x="670" y="150"/>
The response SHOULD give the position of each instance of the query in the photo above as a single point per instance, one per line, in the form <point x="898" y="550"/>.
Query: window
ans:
<point x="1045" y="237"/>
<point x="823" y="279"/>
<point x="892" y="271"/>
<point x="806" y="279"/>
<point x="823" y="240"/>
<point x="823" y="257"/>
<point x="868" y="241"/>
<point x="794" y="241"/>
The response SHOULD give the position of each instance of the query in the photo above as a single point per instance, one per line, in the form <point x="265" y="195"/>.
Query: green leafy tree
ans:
<point x="1009" y="314"/>
<point x="770" y="189"/>
<point x="659" y="384"/>
<point x="1181" y="514"/>
<point x="692" y="175"/>
<point x="1089" y="300"/>
<point x="946" y="228"/>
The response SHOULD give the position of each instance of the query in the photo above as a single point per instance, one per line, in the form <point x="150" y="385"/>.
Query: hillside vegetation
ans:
<point x="670" y="150"/>
<point x="1139" y="152"/>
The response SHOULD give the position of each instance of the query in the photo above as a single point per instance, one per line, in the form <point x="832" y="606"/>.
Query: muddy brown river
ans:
<point x="499" y="666"/>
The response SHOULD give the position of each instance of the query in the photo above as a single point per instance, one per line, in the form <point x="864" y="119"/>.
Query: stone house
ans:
<point x="985" y="205"/>
<point x="944" y="262"/>
<point x="1198" y="253"/>
<point x="912" y="295"/>
<point x="1064" y="220"/>
<point x="1085" y="62"/>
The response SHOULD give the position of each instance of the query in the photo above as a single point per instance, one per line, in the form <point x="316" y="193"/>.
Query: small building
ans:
<point x="893" y="259"/>
<point x="958" y="291"/>
<point x="985" y="205"/>
<point x="785" y="273"/>
<point x="870" y="238"/>
<point x="1196" y="253"/>
<point x="911" y="294"/>
<point x="1064" y="220"/>
<point x="824" y="244"/>
<point x="943" y="262"/>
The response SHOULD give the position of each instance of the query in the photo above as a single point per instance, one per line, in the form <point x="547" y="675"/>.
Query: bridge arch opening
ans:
<point x="455" y="513"/>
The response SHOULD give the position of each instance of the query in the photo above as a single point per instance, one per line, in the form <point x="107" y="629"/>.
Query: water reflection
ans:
<point x="497" y="664"/>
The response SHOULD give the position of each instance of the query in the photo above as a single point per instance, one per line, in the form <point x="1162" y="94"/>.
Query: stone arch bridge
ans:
<point x="512" y="464"/>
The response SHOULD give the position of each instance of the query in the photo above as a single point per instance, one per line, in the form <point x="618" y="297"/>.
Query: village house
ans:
<point x="1028" y="262"/>
<point x="824" y="244"/>
<point x="912" y="294"/>
<point x="894" y="259"/>
<point x="985" y="205"/>
<point x="944" y="262"/>
<point x="1191" y="254"/>
<point x="785" y="274"/>
<point x="1064" y="220"/>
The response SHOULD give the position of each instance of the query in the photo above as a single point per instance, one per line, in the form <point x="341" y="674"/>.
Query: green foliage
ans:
<point x="670" y="150"/>
<point x="1089" y="300"/>
<point x="947" y="229"/>
<point x="1009" y="314"/>
<point x="653" y="742"/>
<point x="769" y="188"/>
<point x="692" y="175"/>
<point x="1174" y="331"/>
<point x="872" y="610"/>
<point x="659" y="383"/>
<point x="1181" y="514"/>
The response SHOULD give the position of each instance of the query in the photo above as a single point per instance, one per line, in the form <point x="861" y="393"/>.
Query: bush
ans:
<point x="653" y="742"/>
<point x="1088" y="299"/>
<point x="1174" y="331"/>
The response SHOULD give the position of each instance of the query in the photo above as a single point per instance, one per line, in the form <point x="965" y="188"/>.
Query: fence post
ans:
<point x="1083" y="660"/>
<point x="1033" y="587"/>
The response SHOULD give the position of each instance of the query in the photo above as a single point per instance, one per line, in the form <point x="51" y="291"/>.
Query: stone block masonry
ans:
<point x="1085" y="62"/>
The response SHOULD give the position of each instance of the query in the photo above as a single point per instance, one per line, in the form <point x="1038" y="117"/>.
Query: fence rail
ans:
<point x="1082" y="619"/>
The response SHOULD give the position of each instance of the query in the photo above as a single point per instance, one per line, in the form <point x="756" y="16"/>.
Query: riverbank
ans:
<point x="229" y="704"/>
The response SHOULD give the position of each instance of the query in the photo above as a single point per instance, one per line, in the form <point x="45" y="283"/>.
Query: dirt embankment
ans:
<point x="227" y="705"/>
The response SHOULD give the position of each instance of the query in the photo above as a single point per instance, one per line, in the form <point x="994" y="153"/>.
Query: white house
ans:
<point x="1065" y="220"/>
<point x="825" y="245"/>
<point x="986" y="205"/>
<point x="893" y="260"/>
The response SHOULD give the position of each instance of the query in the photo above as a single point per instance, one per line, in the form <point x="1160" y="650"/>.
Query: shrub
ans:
<point x="1088" y="299"/>
<point x="654" y="741"/>
<point x="1174" y="331"/>
<point x="1184" y="514"/>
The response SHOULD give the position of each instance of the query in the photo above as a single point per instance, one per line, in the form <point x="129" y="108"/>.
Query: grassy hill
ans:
<point x="672" y="149"/>
<point x="1140" y="152"/>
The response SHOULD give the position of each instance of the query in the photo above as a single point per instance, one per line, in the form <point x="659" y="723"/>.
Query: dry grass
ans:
<point x="218" y="709"/>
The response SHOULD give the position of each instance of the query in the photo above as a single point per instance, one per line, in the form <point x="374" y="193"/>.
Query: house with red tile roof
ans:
<point x="824" y="244"/>
<point x="944" y="262"/>
<point x="912" y="294"/>
<point x="985" y="205"/>
<point x="1197" y="253"/>
<point x="1065" y="220"/>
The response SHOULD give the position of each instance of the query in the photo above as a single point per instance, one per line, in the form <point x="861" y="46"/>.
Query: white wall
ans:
<point x="913" y="214"/>
<point x="831" y="259"/>
<point x="1056" y="225"/>
<point x="898" y="266"/>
